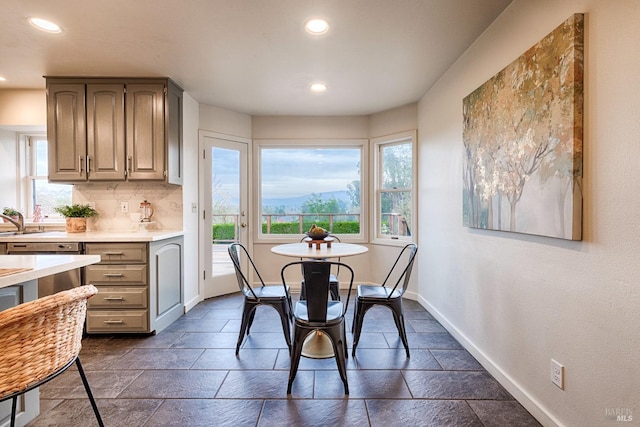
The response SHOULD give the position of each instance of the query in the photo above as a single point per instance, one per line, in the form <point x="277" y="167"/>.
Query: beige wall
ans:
<point x="219" y="120"/>
<point x="392" y="121"/>
<point x="516" y="301"/>
<point x="23" y="107"/>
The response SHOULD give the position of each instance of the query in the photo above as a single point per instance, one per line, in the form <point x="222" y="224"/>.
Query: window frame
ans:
<point x="376" y="188"/>
<point x="357" y="143"/>
<point x="26" y="172"/>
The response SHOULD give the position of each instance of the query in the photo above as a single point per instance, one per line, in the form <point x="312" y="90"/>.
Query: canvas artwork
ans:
<point x="522" y="165"/>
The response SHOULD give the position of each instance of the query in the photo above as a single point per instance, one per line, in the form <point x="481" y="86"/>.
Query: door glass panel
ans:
<point x="225" y="206"/>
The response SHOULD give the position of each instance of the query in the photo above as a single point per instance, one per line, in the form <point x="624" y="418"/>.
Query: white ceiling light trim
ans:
<point x="44" y="25"/>
<point x="316" y="26"/>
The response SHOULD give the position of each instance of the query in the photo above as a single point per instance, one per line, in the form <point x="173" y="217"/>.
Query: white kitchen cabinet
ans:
<point x="114" y="129"/>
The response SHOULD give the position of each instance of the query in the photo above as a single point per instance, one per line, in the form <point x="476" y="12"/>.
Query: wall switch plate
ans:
<point x="124" y="207"/>
<point x="557" y="374"/>
<point x="194" y="207"/>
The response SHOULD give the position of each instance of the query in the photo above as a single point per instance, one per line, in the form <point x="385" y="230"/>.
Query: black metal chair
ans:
<point x="318" y="313"/>
<point x="40" y="340"/>
<point x="388" y="296"/>
<point x="276" y="296"/>
<point x="334" y="283"/>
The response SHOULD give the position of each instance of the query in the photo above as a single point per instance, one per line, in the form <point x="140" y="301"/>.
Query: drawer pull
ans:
<point x="113" y="253"/>
<point x="113" y="298"/>
<point x="114" y="322"/>
<point x="113" y="275"/>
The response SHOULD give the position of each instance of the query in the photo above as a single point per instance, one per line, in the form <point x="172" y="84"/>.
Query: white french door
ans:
<point x="224" y="214"/>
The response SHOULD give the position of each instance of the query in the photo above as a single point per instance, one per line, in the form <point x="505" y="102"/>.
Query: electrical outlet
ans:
<point x="124" y="207"/>
<point x="557" y="374"/>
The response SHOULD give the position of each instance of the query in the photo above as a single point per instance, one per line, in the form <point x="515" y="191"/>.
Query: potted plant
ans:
<point x="76" y="216"/>
<point x="12" y="213"/>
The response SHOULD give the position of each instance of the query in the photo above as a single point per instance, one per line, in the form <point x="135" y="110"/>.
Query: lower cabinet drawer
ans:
<point x="117" y="321"/>
<point x="119" y="297"/>
<point x="114" y="274"/>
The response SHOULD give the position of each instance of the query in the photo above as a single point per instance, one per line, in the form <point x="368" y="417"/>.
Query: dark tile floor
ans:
<point x="188" y="375"/>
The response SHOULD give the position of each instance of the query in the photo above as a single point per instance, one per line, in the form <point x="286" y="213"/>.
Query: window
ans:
<point x="38" y="191"/>
<point x="394" y="184"/>
<point x="310" y="182"/>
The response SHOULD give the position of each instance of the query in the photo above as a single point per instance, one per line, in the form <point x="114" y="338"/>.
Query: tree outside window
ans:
<point x="395" y="202"/>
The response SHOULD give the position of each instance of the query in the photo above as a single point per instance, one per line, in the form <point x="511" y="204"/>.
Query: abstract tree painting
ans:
<point x="522" y="166"/>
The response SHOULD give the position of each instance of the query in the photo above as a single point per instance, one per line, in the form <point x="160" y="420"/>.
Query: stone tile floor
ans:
<point x="188" y="375"/>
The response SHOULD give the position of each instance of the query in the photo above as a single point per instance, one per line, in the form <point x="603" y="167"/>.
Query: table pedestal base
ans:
<point x="317" y="346"/>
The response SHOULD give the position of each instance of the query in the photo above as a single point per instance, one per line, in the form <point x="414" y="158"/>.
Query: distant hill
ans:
<point x="294" y="204"/>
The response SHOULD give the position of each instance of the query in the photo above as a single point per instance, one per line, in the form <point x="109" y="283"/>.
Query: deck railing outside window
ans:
<point x="225" y="226"/>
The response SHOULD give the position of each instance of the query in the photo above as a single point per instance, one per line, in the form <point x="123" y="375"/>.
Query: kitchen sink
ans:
<point x="25" y="232"/>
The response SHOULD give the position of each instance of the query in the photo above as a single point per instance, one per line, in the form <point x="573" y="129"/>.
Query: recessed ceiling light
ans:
<point x="316" y="26"/>
<point x="2" y="79"/>
<point x="44" y="25"/>
<point x="318" y="87"/>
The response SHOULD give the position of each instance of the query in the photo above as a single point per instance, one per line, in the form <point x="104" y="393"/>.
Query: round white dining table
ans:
<point x="303" y="250"/>
<point x="318" y="345"/>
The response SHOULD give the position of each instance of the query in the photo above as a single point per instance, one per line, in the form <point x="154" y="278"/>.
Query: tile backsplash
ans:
<point x="108" y="197"/>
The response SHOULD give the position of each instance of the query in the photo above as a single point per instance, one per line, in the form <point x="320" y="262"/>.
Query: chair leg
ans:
<point x="296" y="352"/>
<point x="334" y="289"/>
<point x="244" y="324"/>
<point x="336" y="334"/>
<point x="358" y="318"/>
<point x="283" y="310"/>
<point x="88" y="389"/>
<point x="14" y="409"/>
<point x="398" y="317"/>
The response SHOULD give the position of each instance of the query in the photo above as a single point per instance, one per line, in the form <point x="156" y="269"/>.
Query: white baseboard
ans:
<point x="192" y="303"/>
<point x="521" y="395"/>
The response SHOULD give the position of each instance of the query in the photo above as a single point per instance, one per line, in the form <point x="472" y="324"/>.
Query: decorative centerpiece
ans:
<point x="76" y="216"/>
<point x="317" y="236"/>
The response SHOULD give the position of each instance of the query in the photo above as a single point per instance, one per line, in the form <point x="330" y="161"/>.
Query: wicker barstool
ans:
<point x="39" y="340"/>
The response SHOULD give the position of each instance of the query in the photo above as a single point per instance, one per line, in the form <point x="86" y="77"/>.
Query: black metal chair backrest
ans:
<point x="236" y="250"/>
<point x="408" y="252"/>
<point x="316" y="277"/>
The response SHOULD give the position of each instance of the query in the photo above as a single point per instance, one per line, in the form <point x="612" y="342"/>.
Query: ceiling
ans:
<point x="250" y="56"/>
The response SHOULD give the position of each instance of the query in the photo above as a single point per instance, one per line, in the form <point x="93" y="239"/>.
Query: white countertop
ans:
<point x="93" y="236"/>
<point x="41" y="265"/>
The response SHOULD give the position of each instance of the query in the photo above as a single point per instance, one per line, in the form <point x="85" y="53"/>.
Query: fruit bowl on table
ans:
<point x="319" y="236"/>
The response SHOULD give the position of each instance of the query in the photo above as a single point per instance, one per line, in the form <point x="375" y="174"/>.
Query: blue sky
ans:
<point x="293" y="172"/>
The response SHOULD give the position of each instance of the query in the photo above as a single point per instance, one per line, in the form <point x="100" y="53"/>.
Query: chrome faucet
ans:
<point x="19" y="223"/>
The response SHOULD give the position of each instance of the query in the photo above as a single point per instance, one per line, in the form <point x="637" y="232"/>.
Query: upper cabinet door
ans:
<point x="145" y="131"/>
<point x="105" y="132"/>
<point x="66" y="132"/>
<point x="173" y="130"/>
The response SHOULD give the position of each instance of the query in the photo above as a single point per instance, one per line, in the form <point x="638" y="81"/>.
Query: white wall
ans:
<point x="189" y="196"/>
<point x="516" y="301"/>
